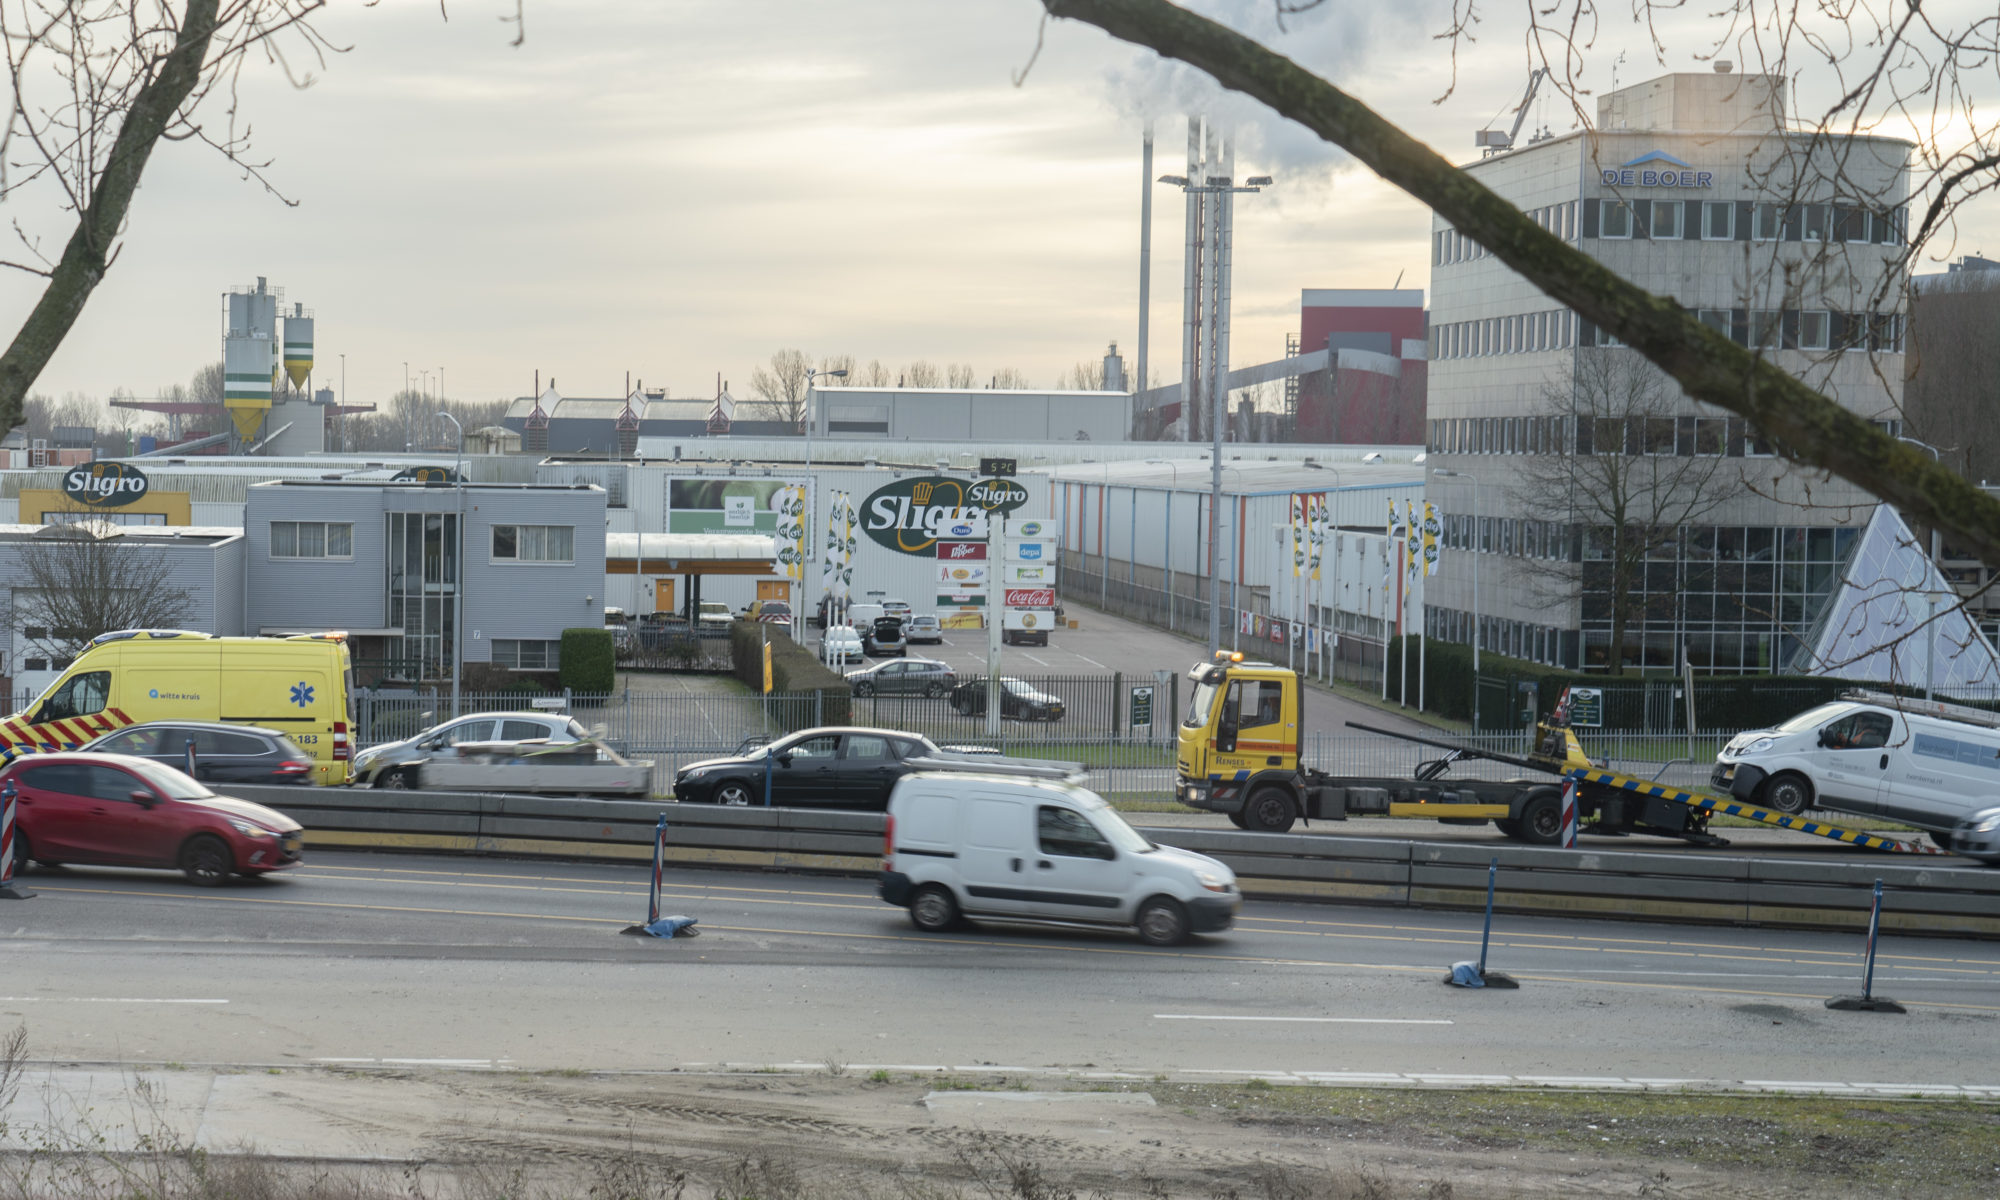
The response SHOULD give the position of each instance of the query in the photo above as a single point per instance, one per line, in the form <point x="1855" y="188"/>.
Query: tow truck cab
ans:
<point x="1241" y="734"/>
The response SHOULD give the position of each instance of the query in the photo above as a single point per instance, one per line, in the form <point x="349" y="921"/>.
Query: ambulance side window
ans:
<point x="82" y="696"/>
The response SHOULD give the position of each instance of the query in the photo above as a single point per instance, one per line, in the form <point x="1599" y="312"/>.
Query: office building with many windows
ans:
<point x="1544" y="432"/>
<point x="385" y="562"/>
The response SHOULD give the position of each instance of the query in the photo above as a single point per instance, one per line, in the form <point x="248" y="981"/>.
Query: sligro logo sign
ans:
<point x="104" y="484"/>
<point x="910" y="515"/>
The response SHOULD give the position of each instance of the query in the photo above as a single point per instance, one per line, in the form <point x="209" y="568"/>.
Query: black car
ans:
<point x="882" y="637"/>
<point x="908" y="677"/>
<point x="222" y="753"/>
<point x="814" y="768"/>
<point x="1017" y="699"/>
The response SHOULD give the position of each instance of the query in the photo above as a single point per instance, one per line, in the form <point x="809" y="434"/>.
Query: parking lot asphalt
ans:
<point x="1104" y="644"/>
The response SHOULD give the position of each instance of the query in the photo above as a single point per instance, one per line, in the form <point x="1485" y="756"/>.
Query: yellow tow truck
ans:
<point x="1238" y="754"/>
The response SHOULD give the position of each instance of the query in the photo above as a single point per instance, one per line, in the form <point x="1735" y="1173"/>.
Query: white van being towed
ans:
<point x="1009" y="842"/>
<point x="1920" y="762"/>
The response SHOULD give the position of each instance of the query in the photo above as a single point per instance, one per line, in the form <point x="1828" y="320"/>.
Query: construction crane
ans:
<point x="1492" y="140"/>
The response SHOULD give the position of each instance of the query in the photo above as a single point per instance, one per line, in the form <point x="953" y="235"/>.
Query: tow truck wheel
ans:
<point x="1509" y="827"/>
<point x="1236" y="818"/>
<point x="1541" y="819"/>
<point x="1269" y="810"/>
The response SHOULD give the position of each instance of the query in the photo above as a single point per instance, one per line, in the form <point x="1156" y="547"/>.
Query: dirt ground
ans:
<point x="933" y="1137"/>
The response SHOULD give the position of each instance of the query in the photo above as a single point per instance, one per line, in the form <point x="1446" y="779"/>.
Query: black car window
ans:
<point x="868" y="746"/>
<point x="824" y="746"/>
<point x="110" y="783"/>
<point x="894" y="668"/>
<point x="132" y="741"/>
<point x="69" y="779"/>
<point x="1065" y="832"/>
<point x="245" y="744"/>
<point x="522" y="731"/>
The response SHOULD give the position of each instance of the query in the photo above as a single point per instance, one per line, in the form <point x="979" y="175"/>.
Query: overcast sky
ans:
<point x="676" y="190"/>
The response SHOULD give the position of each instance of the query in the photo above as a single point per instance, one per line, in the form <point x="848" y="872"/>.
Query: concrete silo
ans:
<point x="298" y="347"/>
<point x="249" y="356"/>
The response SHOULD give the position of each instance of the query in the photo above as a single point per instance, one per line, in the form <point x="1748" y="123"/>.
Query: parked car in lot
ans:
<point x="383" y="766"/>
<point x="777" y="612"/>
<point x="713" y="617"/>
<point x="908" y="677"/>
<point x="897" y="608"/>
<point x="925" y="628"/>
<point x="115" y="810"/>
<point x="840" y="644"/>
<point x="1018" y="699"/>
<point x="666" y="631"/>
<point x="956" y="844"/>
<point x="222" y="753"/>
<point x="836" y="767"/>
<point x="884" y="636"/>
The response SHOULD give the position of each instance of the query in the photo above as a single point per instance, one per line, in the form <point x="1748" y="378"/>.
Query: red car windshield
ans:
<point x="171" y="782"/>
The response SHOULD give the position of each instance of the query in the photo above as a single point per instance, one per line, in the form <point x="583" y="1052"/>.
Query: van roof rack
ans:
<point x="996" y="765"/>
<point x="1926" y="708"/>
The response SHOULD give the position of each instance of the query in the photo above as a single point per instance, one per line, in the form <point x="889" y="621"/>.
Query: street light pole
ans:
<point x="812" y="501"/>
<point x="458" y="573"/>
<point x="1930" y="593"/>
<point x="1475" y="585"/>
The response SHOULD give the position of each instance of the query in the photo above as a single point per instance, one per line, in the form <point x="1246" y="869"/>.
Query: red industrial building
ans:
<point x="1372" y="392"/>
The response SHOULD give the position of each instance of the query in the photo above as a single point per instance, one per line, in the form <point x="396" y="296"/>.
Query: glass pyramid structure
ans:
<point x="1877" y="625"/>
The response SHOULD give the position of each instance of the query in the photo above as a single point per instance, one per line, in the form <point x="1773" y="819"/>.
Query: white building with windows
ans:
<point x="1696" y="187"/>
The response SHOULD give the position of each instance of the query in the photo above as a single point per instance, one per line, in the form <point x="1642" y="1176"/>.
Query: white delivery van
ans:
<point x="1920" y="762"/>
<point x="1026" y="843"/>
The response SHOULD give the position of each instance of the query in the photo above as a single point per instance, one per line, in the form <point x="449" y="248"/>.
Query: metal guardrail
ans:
<point x="1695" y="887"/>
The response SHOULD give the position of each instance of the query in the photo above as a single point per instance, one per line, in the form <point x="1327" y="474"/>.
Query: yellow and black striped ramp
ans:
<point x="1736" y="808"/>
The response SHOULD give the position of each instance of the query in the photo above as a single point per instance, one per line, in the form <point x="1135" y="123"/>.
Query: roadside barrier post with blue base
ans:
<point x="1868" y="1001"/>
<point x="8" y="891"/>
<point x="1475" y="975"/>
<point x="656" y="925"/>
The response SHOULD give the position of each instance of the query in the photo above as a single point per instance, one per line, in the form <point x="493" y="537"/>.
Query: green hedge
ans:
<point x="794" y="671"/>
<point x="1730" y="702"/>
<point x="589" y="661"/>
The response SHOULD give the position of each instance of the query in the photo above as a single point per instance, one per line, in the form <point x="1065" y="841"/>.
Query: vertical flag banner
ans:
<point x="831" y="550"/>
<point x="1389" y="547"/>
<point x="1316" y="525"/>
<point x="790" y="535"/>
<point x="1414" y="535"/>
<point x="1432" y="529"/>
<point x="1297" y="505"/>
<point x="847" y="546"/>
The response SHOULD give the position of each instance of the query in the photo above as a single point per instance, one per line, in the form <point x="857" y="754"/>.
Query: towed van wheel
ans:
<point x="868" y="689"/>
<point x="734" y="794"/>
<point x="397" y="779"/>
<point x="1162" y="922"/>
<point x="933" y="910"/>
<point x="205" y="861"/>
<point x="1269" y="810"/>
<point x="1788" y="793"/>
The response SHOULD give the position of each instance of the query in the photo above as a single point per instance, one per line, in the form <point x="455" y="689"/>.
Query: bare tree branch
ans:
<point x="1708" y="366"/>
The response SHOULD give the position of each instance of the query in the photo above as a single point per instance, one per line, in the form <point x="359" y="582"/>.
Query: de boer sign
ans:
<point x="910" y="515"/>
<point x="104" y="484"/>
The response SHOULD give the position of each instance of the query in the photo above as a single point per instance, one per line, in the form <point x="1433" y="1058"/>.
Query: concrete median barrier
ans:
<point x="1697" y="886"/>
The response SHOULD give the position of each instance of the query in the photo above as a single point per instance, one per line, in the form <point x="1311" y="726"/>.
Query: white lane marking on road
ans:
<point x="1093" y="662"/>
<point x="104" y="1000"/>
<point x="1314" y="1020"/>
<point x="1032" y="658"/>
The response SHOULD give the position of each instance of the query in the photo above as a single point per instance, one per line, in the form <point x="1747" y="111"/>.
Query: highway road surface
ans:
<point x="384" y="960"/>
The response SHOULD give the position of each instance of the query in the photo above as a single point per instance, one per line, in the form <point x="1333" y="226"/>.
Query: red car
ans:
<point x="118" y="810"/>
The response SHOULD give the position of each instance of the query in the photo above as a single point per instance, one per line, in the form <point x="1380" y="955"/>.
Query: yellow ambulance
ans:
<point x="300" y="686"/>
